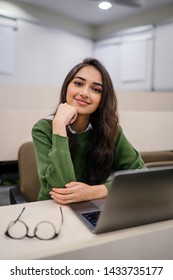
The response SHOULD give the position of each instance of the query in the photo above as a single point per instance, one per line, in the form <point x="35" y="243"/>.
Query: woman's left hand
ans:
<point x="78" y="191"/>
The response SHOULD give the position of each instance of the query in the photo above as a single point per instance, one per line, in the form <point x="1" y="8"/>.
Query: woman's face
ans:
<point x="84" y="92"/>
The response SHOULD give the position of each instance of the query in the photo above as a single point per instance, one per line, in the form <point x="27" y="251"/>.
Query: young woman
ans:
<point x="81" y="144"/>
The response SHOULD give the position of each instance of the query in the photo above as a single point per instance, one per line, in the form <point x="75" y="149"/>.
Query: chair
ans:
<point x="29" y="184"/>
<point x="157" y="158"/>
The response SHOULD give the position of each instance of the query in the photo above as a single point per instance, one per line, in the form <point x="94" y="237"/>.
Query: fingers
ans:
<point x="62" y="195"/>
<point x="65" y="113"/>
<point x="61" y="191"/>
<point x="74" y="192"/>
<point x="72" y="184"/>
<point x="73" y="119"/>
<point x="77" y="191"/>
<point x="65" y="198"/>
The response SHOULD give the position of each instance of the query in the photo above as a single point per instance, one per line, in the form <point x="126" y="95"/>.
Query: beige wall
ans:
<point x="146" y="117"/>
<point x="22" y="107"/>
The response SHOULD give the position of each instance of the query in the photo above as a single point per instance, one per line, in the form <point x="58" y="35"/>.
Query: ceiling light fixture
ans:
<point x="105" y="5"/>
<point x="130" y="3"/>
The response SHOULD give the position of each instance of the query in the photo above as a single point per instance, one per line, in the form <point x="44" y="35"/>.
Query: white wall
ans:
<point x="163" y="57"/>
<point x="43" y="55"/>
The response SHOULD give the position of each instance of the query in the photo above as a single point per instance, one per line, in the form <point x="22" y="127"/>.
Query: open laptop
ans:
<point x="137" y="197"/>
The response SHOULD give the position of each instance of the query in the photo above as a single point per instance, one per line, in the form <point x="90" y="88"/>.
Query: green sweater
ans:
<point x="54" y="162"/>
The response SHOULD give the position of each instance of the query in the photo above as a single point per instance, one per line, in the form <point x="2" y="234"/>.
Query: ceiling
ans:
<point x="87" y="11"/>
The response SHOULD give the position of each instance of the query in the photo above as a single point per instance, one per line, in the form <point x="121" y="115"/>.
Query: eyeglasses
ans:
<point x="44" y="230"/>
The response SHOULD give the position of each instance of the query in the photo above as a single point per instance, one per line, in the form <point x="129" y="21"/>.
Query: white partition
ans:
<point x="148" y="131"/>
<point x="6" y="50"/>
<point x="129" y="60"/>
<point x="108" y="55"/>
<point x="163" y="57"/>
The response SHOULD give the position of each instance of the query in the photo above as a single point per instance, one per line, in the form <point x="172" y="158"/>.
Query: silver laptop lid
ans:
<point x="138" y="197"/>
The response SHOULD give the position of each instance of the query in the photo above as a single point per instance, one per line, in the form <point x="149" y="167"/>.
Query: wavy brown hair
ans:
<point x="104" y="121"/>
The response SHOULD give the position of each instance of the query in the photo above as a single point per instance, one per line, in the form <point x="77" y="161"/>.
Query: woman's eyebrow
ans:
<point x="97" y="84"/>
<point x="78" y="77"/>
<point x="83" y="79"/>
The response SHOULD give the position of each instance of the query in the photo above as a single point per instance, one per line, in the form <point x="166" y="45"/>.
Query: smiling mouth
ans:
<point x="82" y="102"/>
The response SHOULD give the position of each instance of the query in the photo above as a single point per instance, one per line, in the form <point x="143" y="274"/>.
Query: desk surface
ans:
<point x="75" y="241"/>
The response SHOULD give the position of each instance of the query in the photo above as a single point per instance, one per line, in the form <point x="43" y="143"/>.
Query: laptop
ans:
<point x="137" y="197"/>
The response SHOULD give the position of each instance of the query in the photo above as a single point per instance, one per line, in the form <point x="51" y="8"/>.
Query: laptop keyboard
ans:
<point x="92" y="217"/>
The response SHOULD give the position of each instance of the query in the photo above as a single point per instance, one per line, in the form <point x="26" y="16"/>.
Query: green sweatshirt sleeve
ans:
<point x="125" y="157"/>
<point x="54" y="163"/>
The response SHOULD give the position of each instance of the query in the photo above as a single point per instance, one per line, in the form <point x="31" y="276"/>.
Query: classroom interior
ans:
<point x="42" y="48"/>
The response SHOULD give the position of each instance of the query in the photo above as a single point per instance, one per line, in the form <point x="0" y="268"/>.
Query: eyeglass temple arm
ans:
<point x="20" y="215"/>
<point x="62" y="217"/>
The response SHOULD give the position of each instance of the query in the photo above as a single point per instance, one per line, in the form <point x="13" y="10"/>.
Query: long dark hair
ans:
<point x="104" y="121"/>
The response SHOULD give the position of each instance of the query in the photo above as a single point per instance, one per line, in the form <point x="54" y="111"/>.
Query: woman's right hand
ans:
<point x="65" y="115"/>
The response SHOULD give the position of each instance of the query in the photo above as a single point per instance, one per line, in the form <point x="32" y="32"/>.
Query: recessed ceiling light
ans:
<point x="105" y="5"/>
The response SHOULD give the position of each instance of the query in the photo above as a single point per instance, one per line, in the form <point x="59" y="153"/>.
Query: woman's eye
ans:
<point x="78" y="84"/>
<point x="98" y="90"/>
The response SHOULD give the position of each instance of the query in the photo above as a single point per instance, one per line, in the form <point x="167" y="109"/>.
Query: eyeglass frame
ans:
<point x="36" y="227"/>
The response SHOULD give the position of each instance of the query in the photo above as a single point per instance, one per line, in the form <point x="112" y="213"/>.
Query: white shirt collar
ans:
<point x="50" y="117"/>
<point x="75" y="132"/>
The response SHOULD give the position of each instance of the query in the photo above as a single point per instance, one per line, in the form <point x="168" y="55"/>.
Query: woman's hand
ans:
<point x="78" y="191"/>
<point x="65" y="115"/>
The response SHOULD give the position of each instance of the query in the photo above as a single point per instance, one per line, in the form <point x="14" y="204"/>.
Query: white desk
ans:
<point x="154" y="241"/>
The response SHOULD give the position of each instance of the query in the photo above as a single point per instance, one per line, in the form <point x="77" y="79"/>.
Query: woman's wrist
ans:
<point x="59" y="129"/>
<point x="101" y="191"/>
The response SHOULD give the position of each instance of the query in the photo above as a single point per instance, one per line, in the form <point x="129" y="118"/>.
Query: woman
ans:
<point x="81" y="144"/>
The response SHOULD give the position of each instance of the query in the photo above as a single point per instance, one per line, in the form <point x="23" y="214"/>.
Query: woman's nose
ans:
<point x="84" y="92"/>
